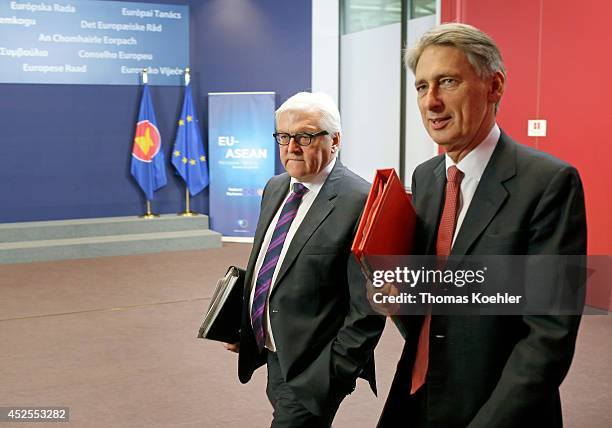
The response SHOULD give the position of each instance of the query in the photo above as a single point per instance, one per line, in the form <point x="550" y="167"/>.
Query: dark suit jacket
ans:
<point x="323" y="338"/>
<point x="495" y="371"/>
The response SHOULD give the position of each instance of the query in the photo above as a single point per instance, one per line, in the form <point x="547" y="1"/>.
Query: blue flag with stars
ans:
<point x="188" y="156"/>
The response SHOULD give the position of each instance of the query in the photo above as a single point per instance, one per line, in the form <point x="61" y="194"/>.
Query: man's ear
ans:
<point x="336" y="139"/>
<point x="497" y="85"/>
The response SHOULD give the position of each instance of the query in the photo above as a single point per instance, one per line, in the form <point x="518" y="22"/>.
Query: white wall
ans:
<point x="418" y="146"/>
<point x="370" y="99"/>
<point x="325" y="46"/>
<point x="368" y="90"/>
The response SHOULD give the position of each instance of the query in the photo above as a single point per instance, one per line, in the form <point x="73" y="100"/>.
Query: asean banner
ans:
<point x="241" y="154"/>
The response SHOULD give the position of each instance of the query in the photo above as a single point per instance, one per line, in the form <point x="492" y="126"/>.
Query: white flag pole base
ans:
<point x="187" y="212"/>
<point x="149" y="213"/>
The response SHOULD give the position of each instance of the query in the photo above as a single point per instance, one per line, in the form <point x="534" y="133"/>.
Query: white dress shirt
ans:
<point x="472" y="166"/>
<point x="314" y="187"/>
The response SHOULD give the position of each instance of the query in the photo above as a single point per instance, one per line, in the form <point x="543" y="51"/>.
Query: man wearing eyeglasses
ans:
<point x="304" y="312"/>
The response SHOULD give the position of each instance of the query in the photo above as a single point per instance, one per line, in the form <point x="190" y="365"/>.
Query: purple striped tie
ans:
<point x="264" y="277"/>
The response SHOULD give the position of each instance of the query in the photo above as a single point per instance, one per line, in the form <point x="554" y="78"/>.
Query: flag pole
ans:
<point x="187" y="212"/>
<point x="149" y="213"/>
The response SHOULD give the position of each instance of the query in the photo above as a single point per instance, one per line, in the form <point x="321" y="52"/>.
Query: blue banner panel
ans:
<point x="240" y="128"/>
<point x="92" y="42"/>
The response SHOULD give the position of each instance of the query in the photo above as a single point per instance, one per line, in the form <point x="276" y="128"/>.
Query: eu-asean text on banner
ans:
<point x="188" y="156"/>
<point x="148" y="166"/>
<point x="241" y="158"/>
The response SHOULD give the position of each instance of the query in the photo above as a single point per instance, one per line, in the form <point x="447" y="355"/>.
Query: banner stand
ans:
<point x="241" y="158"/>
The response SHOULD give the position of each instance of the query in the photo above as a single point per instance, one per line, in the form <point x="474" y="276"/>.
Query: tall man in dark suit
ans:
<point x="303" y="289"/>
<point x="486" y="195"/>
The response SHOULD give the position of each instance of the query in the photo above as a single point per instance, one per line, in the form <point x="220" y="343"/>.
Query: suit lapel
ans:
<point x="431" y="202"/>
<point x="489" y="197"/>
<point x="318" y="212"/>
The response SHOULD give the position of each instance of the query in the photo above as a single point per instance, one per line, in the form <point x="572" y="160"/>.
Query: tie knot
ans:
<point x="299" y="189"/>
<point x="454" y="175"/>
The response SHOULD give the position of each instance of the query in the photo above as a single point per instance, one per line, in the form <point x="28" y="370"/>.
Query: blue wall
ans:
<point x="65" y="150"/>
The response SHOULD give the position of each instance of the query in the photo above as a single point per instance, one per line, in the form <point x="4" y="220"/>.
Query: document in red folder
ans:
<point x="388" y="221"/>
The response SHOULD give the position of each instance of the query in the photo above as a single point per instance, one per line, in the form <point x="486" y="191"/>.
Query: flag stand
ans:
<point x="146" y="120"/>
<point x="149" y="213"/>
<point x="187" y="212"/>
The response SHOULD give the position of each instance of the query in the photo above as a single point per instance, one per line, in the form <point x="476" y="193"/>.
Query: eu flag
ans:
<point x="148" y="166"/>
<point x="188" y="156"/>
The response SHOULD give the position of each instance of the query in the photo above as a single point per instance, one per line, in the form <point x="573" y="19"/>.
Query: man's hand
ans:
<point x="387" y="289"/>
<point x="234" y="347"/>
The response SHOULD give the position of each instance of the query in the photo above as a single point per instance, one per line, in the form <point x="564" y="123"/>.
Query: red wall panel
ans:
<point x="575" y="96"/>
<point x="557" y="54"/>
<point x="514" y="26"/>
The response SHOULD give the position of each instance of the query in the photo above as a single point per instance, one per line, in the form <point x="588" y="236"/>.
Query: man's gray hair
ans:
<point x="479" y="47"/>
<point x="314" y="102"/>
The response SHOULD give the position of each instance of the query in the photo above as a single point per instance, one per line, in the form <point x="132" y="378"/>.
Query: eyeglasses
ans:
<point x="301" y="138"/>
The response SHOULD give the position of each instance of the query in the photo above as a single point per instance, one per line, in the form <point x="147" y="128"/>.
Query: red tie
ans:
<point x="446" y="230"/>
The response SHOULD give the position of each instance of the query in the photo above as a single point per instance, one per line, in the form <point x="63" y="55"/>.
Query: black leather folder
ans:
<point x="223" y="316"/>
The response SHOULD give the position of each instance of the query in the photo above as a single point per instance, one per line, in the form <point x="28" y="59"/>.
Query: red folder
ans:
<point x="388" y="221"/>
<point x="386" y="226"/>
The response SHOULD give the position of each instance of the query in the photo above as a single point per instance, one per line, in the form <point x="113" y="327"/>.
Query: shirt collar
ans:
<point x="475" y="162"/>
<point x="317" y="182"/>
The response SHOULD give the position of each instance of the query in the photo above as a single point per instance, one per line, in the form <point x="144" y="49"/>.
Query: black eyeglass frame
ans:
<point x="298" y="137"/>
